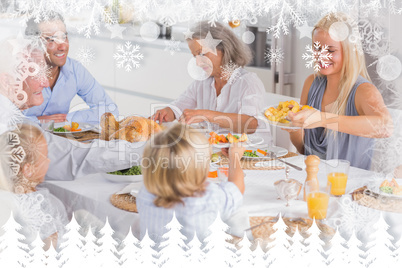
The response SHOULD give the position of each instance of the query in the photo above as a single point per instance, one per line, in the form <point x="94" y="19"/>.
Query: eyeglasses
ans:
<point x="57" y="38"/>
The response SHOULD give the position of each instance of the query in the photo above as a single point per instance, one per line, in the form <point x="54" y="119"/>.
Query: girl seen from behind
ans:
<point x="175" y="168"/>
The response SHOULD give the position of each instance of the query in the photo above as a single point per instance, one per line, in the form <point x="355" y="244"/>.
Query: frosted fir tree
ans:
<point x="71" y="247"/>
<point x="314" y="247"/>
<point x="354" y="254"/>
<point x="52" y="257"/>
<point x="297" y="248"/>
<point x="259" y="257"/>
<point x="379" y="253"/>
<point x="398" y="252"/>
<point x="129" y="254"/>
<point x="90" y="250"/>
<point x="107" y="246"/>
<point x="195" y="255"/>
<point x="219" y="252"/>
<point x="244" y="254"/>
<point x="173" y="252"/>
<point x="337" y="252"/>
<point x="38" y="257"/>
<point x="13" y="252"/>
<point x="148" y="255"/>
<point x="278" y="252"/>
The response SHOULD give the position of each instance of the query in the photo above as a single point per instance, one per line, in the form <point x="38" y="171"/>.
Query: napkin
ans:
<point x="132" y="188"/>
<point x="238" y="222"/>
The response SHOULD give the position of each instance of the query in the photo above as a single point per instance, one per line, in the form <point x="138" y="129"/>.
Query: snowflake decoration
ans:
<point x="274" y="55"/>
<point x="317" y="56"/>
<point x="230" y="72"/>
<point x="86" y="55"/>
<point x="172" y="46"/>
<point x="10" y="115"/>
<point x="128" y="56"/>
<point x="44" y="72"/>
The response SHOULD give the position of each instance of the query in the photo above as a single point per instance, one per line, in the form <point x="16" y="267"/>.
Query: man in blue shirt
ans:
<point x="67" y="78"/>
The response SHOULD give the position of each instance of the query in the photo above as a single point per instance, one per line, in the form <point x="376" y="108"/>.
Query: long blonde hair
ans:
<point x="28" y="135"/>
<point x="175" y="165"/>
<point x="354" y="63"/>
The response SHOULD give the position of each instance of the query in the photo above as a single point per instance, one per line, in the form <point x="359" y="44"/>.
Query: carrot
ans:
<point x="213" y="174"/>
<point x="261" y="152"/>
<point x="249" y="151"/>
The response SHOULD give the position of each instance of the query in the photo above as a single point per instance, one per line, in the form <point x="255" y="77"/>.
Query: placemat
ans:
<point x="367" y="198"/>
<point x="124" y="202"/>
<point x="81" y="136"/>
<point x="264" y="231"/>
<point x="250" y="164"/>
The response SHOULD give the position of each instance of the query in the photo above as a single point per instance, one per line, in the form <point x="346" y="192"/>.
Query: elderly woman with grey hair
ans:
<point x="229" y="101"/>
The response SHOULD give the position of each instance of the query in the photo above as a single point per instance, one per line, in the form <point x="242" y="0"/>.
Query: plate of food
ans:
<point x="277" y="116"/>
<point x="133" y="174"/>
<point x="390" y="188"/>
<point x="225" y="139"/>
<point x="263" y="152"/>
<point x="74" y="127"/>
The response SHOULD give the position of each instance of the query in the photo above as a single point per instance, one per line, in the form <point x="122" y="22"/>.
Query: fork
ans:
<point x="265" y="222"/>
<point x="273" y="155"/>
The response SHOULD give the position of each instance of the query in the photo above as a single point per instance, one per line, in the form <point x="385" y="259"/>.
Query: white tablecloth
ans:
<point x="92" y="193"/>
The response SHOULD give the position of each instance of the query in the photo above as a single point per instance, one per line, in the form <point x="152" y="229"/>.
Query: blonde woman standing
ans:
<point x="350" y="109"/>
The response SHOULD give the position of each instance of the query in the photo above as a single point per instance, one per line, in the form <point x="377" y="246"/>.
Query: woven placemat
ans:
<point x="249" y="164"/>
<point x="124" y="202"/>
<point x="367" y="198"/>
<point x="264" y="231"/>
<point x="81" y="136"/>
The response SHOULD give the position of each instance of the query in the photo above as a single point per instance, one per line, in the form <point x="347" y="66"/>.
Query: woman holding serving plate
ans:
<point x="349" y="110"/>
<point x="230" y="102"/>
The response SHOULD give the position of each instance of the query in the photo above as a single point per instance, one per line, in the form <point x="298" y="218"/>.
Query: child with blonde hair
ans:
<point x="175" y="169"/>
<point x="349" y="109"/>
<point x="37" y="209"/>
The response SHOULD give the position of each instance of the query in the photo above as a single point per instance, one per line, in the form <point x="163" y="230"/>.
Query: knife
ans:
<point x="273" y="155"/>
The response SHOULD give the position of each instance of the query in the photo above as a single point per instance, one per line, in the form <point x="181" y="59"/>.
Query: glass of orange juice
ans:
<point x="337" y="174"/>
<point x="317" y="200"/>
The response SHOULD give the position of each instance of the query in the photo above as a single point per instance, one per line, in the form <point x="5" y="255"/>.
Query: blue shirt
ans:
<point x="74" y="79"/>
<point x="197" y="213"/>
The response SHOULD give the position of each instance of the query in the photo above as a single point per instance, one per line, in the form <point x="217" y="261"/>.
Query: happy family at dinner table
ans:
<point x="349" y="113"/>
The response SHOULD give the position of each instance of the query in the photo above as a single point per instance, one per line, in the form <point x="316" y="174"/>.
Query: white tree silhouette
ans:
<point x="219" y="253"/>
<point x="380" y="247"/>
<point x="259" y="256"/>
<point x="13" y="251"/>
<point x="173" y="252"/>
<point x="278" y="252"/>
<point x="107" y="246"/>
<point x="354" y="254"/>
<point x="38" y="257"/>
<point x="337" y="252"/>
<point x="148" y="255"/>
<point x="51" y="257"/>
<point x="297" y="248"/>
<point x="90" y="250"/>
<point x="398" y="252"/>
<point x="71" y="247"/>
<point x="129" y="254"/>
<point x="195" y="255"/>
<point x="314" y="253"/>
<point x="244" y="254"/>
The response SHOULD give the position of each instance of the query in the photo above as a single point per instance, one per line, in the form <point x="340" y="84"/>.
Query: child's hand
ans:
<point x="236" y="151"/>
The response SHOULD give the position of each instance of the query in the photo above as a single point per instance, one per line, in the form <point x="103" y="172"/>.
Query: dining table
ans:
<point x="91" y="194"/>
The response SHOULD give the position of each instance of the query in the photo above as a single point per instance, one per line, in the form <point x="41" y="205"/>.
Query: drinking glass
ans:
<point x="317" y="199"/>
<point x="46" y="124"/>
<point x="337" y="174"/>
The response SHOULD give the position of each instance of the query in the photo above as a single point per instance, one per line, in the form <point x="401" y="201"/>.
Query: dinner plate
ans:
<point x="278" y="124"/>
<point x="251" y="141"/>
<point x="279" y="151"/>
<point x="375" y="188"/>
<point x="123" y="178"/>
<point x="83" y="126"/>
